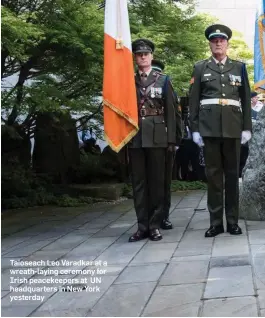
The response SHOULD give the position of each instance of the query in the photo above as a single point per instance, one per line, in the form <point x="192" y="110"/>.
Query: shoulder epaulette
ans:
<point x="159" y="73"/>
<point x="162" y="74"/>
<point x="201" y="61"/>
<point x="238" y="61"/>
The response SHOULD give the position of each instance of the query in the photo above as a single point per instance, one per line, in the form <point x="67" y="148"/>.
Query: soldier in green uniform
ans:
<point x="170" y="157"/>
<point x="158" y="66"/>
<point x="156" y="135"/>
<point x="220" y="116"/>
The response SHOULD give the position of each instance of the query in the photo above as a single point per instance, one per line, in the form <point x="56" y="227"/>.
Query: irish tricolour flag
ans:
<point x="119" y="94"/>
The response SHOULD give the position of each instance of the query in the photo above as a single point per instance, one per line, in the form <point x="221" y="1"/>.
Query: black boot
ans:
<point x="166" y="224"/>
<point x="214" y="230"/>
<point x="234" y="229"/>
<point x="138" y="236"/>
<point x="155" y="235"/>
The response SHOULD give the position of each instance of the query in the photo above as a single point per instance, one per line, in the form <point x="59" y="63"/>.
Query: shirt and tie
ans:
<point x="220" y="63"/>
<point x="144" y="75"/>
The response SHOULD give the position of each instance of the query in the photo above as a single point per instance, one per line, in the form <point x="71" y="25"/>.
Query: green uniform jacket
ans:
<point x="208" y="81"/>
<point x="160" y="130"/>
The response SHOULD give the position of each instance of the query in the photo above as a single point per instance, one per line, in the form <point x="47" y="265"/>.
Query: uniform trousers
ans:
<point x="148" y="177"/>
<point x="243" y="158"/>
<point x="222" y="158"/>
<point x="170" y="157"/>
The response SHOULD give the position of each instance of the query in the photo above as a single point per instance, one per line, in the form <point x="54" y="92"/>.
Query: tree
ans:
<point x="53" y="51"/>
<point x="57" y="47"/>
<point x="177" y="32"/>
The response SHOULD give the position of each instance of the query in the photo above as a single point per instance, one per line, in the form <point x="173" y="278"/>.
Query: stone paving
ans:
<point x="185" y="274"/>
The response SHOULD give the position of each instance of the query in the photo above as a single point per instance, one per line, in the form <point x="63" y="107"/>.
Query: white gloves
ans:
<point x="197" y="138"/>
<point x="245" y="136"/>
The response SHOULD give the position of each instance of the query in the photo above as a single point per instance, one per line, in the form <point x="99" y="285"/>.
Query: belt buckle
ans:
<point x="143" y="112"/>
<point x="223" y="101"/>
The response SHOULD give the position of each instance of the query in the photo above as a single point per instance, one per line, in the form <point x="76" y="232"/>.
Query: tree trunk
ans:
<point x="23" y="75"/>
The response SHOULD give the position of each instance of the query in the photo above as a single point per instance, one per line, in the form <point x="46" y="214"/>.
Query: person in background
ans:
<point x="256" y="105"/>
<point x="170" y="157"/>
<point x="83" y="132"/>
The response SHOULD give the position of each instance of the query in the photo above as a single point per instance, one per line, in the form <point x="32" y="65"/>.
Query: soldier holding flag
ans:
<point x="159" y="133"/>
<point x="139" y="111"/>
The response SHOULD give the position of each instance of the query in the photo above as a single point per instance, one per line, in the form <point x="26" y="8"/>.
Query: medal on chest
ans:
<point x="156" y="92"/>
<point x="152" y="92"/>
<point x="235" y="80"/>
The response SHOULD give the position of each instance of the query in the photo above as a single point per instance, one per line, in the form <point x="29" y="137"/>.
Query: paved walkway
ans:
<point x="185" y="274"/>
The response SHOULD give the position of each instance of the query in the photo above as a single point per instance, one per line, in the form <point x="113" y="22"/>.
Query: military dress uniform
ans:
<point x="220" y="110"/>
<point x="147" y="150"/>
<point x="170" y="157"/>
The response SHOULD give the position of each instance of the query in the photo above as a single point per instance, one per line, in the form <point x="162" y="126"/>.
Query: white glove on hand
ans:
<point x="245" y="136"/>
<point x="197" y="138"/>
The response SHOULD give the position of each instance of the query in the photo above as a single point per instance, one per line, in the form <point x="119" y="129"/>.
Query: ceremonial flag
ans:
<point x="259" y="49"/>
<point x="119" y="93"/>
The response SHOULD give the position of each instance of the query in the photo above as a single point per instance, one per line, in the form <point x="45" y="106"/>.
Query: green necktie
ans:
<point x="221" y="66"/>
<point x="143" y="77"/>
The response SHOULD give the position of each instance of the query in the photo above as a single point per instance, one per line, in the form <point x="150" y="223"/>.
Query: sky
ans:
<point x="236" y="14"/>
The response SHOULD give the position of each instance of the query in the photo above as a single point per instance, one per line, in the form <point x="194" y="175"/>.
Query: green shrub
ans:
<point x="16" y="181"/>
<point x="127" y="190"/>
<point x="177" y="185"/>
<point x="22" y="188"/>
<point x="92" y="168"/>
<point x="67" y="201"/>
<point x="15" y="203"/>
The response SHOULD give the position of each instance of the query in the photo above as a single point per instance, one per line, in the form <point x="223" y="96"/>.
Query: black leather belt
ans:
<point x="144" y="112"/>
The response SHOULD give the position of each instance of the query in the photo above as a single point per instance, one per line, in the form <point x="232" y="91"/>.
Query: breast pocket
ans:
<point x="235" y="82"/>
<point x="160" y="131"/>
<point x="208" y="79"/>
<point x="236" y="88"/>
<point x="209" y="84"/>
